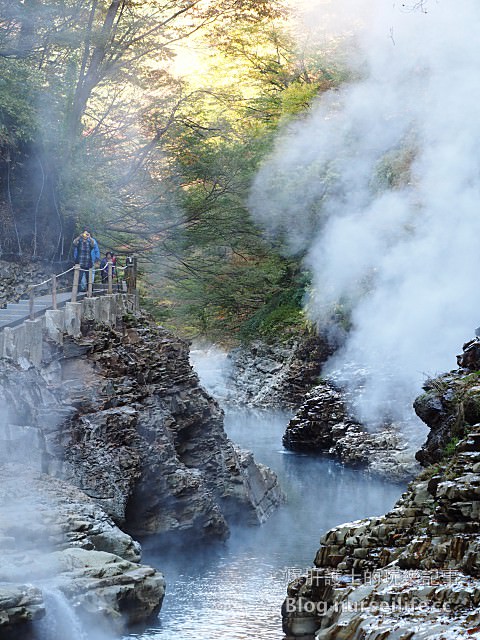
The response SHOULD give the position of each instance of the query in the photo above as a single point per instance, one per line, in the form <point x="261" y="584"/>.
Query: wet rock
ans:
<point x="108" y="589"/>
<point x="60" y="538"/>
<point x="408" y="573"/>
<point x="115" y="430"/>
<point x="20" y="605"/>
<point x="324" y="424"/>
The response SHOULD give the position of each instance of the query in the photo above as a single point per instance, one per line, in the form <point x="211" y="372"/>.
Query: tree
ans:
<point x="96" y="61"/>
<point x="224" y="278"/>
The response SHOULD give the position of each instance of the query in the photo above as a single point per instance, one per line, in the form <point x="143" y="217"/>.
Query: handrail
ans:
<point x="130" y="274"/>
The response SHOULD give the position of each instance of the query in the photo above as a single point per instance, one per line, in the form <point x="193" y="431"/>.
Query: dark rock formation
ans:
<point x="123" y="418"/>
<point x="324" y="424"/>
<point x="115" y="431"/>
<point x="264" y="375"/>
<point x="427" y="550"/>
<point x="450" y="405"/>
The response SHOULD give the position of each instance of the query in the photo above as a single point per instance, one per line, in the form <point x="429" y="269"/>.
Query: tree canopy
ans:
<point x="97" y="128"/>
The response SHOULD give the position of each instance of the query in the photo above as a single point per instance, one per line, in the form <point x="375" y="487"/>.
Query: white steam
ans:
<point x="380" y="186"/>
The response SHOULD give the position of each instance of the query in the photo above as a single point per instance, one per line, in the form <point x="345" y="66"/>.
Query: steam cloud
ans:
<point x="380" y="187"/>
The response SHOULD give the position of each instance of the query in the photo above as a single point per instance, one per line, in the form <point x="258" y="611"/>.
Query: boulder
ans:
<point x="64" y="542"/>
<point x="324" y="424"/>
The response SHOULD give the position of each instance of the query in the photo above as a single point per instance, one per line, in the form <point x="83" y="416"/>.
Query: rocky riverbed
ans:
<point x="112" y="439"/>
<point x="414" y="572"/>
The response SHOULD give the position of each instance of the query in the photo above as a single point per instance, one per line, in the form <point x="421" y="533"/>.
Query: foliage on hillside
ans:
<point x="95" y="129"/>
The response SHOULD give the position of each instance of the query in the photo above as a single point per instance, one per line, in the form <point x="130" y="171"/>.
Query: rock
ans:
<point x="20" y="605"/>
<point x="450" y="406"/>
<point x="106" y="588"/>
<point x="61" y="539"/>
<point x="470" y="358"/>
<point x="17" y="277"/>
<point x="324" y="424"/>
<point x="265" y="375"/>
<point x="412" y="573"/>
<point x="123" y="418"/>
<point x="112" y="430"/>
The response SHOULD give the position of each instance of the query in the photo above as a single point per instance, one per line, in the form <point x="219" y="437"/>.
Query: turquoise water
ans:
<point x="234" y="590"/>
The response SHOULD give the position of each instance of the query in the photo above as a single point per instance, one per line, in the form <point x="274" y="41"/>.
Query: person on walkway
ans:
<point x="86" y="254"/>
<point x="109" y="258"/>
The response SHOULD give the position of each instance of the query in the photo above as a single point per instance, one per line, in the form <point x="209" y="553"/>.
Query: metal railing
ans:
<point x="130" y="279"/>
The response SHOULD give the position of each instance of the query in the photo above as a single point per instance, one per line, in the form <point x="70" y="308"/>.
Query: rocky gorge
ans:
<point x="288" y="376"/>
<point x="110" y="441"/>
<point x="414" y="572"/>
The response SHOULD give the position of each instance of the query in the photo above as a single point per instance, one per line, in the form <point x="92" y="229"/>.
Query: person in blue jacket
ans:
<point x="86" y="254"/>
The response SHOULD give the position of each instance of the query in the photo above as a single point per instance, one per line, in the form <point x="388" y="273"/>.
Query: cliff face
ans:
<point x="265" y="375"/>
<point x="450" y="405"/>
<point x="118" y="417"/>
<point x="122" y="416"/>
<point x="414" y="572"/>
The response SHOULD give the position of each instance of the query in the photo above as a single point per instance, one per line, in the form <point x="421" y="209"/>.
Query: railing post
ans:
<point x="31" y="304"/>
<point x="90" y="283"/>
<point x="129" y="274"/>
<point x="110" y="277"/>
<point x="76" y="280"/>
<point x="135" y="266"/>
<point x="54" y="292"/>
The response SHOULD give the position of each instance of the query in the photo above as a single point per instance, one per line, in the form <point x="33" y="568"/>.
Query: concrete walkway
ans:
<point x="17" y="312"/>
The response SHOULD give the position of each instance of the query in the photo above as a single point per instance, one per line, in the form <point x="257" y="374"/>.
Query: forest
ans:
<point x="146" y="120"/>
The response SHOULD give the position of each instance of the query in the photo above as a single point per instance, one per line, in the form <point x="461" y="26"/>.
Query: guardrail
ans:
<point x="130" y="279"/>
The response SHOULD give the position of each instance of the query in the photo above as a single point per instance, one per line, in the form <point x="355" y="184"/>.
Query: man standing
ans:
<point x="86" y="254"/>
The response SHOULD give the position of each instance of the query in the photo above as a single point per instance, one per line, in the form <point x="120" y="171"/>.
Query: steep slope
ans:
<point x="113" y="430"/>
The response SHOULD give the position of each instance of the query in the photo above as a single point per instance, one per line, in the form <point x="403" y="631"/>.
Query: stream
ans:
<point x="234" y="590"/>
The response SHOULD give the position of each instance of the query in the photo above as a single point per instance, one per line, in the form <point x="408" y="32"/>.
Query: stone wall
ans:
<point x="23" y="344"/>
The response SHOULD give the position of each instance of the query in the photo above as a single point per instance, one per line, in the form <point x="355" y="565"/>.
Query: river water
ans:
<point x="234" y="590"/>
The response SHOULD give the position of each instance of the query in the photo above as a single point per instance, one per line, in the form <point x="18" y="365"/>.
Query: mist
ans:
<point x="234" y="589"/>
<point x="378" y="187"/>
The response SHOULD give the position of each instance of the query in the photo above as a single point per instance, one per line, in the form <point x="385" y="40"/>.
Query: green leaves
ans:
<point x="18" y="90"/>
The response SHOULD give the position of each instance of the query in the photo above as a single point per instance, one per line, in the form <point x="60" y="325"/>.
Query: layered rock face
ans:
<point x="450" y="404"/>
<point x="123" y="418"/>
<point x="58" y="539"/>
<point x="324" y="424"/>
<point x="264" y="375"/>
<point x="16" y="278"/>
<point x="113" y="430"/>
<point x="415" y="572"/>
